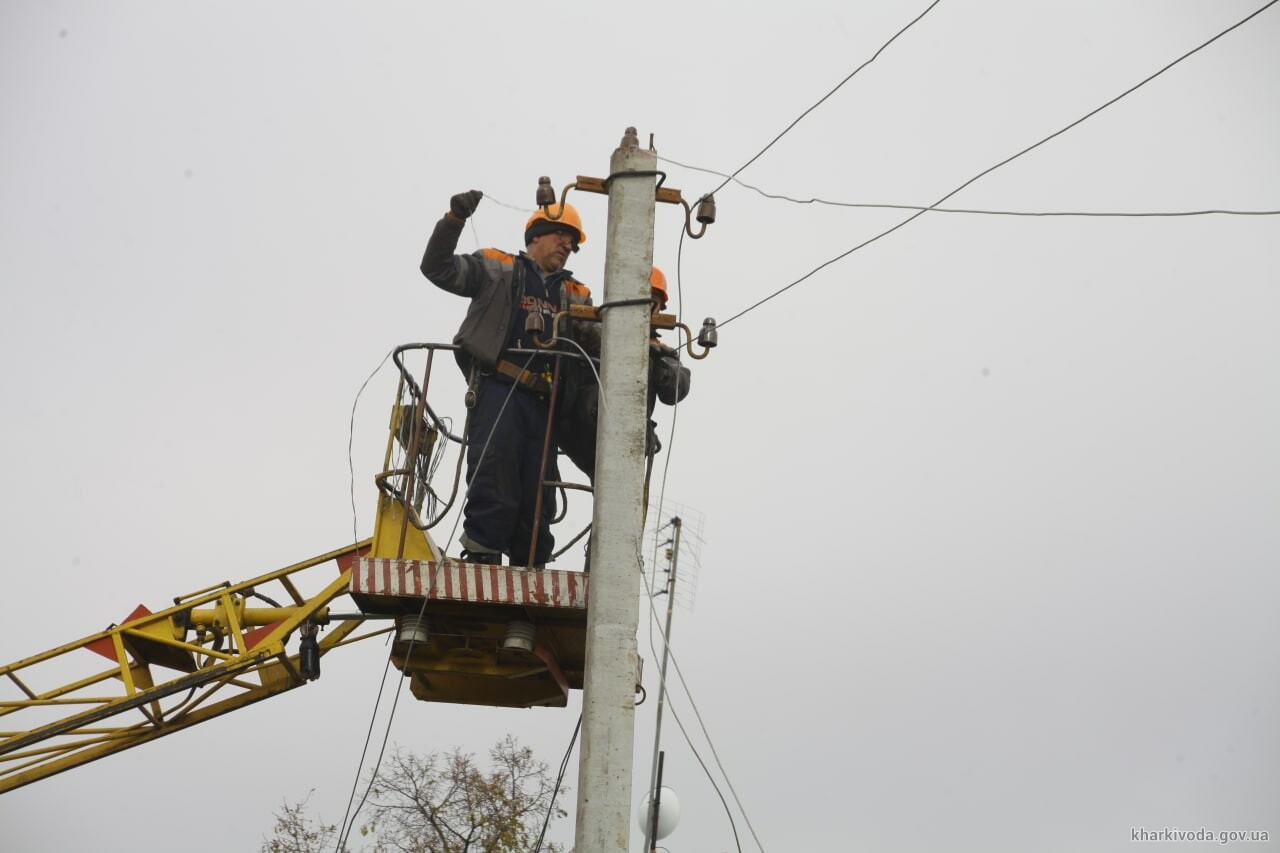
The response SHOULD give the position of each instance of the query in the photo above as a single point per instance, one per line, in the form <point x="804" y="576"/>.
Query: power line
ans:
<point x="1003" y="162"/>
<point x="653" y="617"/>
<point x="348" y="825"/>
<point x="564" y="765"/>
<point x="732" y="825"/>
<point x="820" y="101"/>
<point x="976" y="211"/>
<point x="344" y="830"/>
<point x="351" y="435"/>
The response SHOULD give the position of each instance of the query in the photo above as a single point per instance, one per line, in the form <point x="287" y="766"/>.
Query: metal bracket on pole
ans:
<point x="706" y="214"/>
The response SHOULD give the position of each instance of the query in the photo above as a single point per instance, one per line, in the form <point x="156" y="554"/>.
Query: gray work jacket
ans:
<point x="493" y="281"/>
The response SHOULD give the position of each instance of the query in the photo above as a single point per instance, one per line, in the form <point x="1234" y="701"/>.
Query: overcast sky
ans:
<point x="988" y="509"/>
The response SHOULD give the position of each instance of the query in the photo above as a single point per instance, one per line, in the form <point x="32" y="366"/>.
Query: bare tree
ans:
<point x="296" y="832"/>
<point x="442" y="803"/>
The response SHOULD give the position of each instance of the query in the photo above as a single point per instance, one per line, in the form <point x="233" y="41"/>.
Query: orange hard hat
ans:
<point x="658" y="282"/>
<point x="540" y="223"/>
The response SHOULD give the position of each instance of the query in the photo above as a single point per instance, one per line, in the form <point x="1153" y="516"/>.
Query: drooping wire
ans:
<point x="564" y="764"/>
<point x="347" y="827"/>
<point x="920" y="211"/>
<point x="355" y="783"/>
<point x="349" y="817"/>
<point x="1003" y="162"/>
<point x="820" y="101"/>
<point x="351" y="432"/>
<point x="974" y="211"/>
<point x="391" y="715"/>
<point x="649" y="596"/>
<point x="688" y="740"/>
<point x="355" y="537"/>
<point x="737" y="842"/>
<point x="714" y="754"/>
<point x="386" y="736"/>
<point x="654" y="619"/>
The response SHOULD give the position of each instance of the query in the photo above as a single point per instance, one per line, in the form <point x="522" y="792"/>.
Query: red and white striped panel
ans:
<point x="454" y="580"/>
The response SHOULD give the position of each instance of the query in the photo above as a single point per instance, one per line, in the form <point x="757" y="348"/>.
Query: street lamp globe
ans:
<point x="668" y="812"/>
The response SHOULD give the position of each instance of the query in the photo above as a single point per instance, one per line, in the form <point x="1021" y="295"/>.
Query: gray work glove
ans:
<point x="464" y="204"/>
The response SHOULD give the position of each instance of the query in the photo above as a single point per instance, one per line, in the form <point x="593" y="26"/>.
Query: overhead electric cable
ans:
<point x="349" y="818"/>
<point x="343" y="830"/>
<point x="820" y="101"/>
<point x="977" y="211"/>
<point x="732" y="825"/>
<point x="351" y="433"/>
<point x="653" y="617"/>
<point x="714" y="754"/>
<point x="351" y="428"/>
<point x="564" y="764"/>
<point x="1003" y="162"/>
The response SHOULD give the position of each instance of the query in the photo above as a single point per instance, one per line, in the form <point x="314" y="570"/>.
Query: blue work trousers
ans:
<point x="504" y="453"/>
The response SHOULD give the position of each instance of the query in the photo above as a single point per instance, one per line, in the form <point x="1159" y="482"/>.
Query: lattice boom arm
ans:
<point x="208" y="654"/>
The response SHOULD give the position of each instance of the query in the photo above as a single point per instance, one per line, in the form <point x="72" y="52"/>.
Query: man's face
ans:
<point x="551" y="251"/>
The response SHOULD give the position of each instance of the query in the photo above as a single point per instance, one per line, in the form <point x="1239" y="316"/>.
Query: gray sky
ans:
<point x="988" y="508"/>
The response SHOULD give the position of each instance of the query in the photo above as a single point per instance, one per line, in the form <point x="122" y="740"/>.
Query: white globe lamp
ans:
<point x="668" y="813"/>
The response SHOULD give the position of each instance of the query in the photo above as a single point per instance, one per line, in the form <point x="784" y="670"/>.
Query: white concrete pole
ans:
<point x="609" y="683"/>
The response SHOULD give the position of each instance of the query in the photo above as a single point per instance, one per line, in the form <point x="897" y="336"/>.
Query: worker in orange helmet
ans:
<point x="509" y="376"/>
<point x="668" y="383"/>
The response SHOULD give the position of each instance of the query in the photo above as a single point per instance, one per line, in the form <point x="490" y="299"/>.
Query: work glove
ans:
<point x="464" y="204"/>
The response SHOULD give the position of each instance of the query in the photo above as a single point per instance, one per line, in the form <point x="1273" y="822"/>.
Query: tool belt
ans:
<point x="539" y="383"/>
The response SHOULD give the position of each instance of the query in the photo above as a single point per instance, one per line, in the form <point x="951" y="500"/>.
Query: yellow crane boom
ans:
<point x="212" y="652"/>
<point x="464" y="632"/>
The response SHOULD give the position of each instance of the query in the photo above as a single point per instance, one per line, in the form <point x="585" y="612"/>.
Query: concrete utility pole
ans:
<point x="609" y="683"/>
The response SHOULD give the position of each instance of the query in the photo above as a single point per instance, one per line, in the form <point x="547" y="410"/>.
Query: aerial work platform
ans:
<point x="480" y="634"/>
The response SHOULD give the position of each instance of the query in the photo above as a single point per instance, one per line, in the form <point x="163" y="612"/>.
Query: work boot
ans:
<point x="488" y="558"/>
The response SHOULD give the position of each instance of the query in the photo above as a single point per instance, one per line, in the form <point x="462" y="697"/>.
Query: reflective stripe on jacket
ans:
<point x="491" y="279"/>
